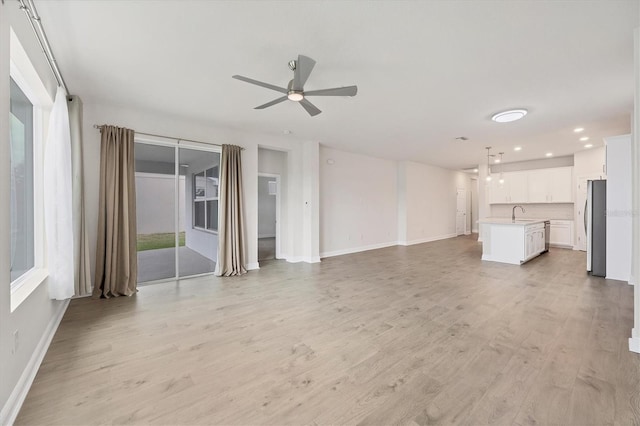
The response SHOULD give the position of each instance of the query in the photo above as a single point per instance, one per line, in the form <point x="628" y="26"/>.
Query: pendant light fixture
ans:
<point x="501" y="180"/>
<point x="488" y="148"/>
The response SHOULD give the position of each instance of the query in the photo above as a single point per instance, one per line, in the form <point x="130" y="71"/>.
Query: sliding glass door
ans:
<point x="176" y="209"/>
<point x="200" y="172"/>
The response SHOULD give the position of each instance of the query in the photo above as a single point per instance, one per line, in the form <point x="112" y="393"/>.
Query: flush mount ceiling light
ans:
<point x="588" y="145"/>
<point x="578" y="129"/>
<point x="549" y="154"/>
<point x="295" y="96"/>
<point x="584" y="138"/>
<point x="517" y="148"/>
<point x="508" y="116"/>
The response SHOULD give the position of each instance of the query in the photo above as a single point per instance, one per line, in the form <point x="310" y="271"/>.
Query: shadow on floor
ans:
<point x="160" y="264"/>
<point x="266" y="248"/>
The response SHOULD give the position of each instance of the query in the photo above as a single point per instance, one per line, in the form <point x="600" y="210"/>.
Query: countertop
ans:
<point x="508" y="221"/>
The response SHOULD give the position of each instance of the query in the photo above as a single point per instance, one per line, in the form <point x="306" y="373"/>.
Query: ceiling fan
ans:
<point x="295" y="89"/>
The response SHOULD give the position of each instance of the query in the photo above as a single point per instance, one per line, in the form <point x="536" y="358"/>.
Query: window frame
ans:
<point x="24" y="74"/>
<point x="204" y="200"/>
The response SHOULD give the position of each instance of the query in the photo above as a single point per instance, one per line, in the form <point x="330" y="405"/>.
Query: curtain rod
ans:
<point x="36" y="24"/>
<point x="100" y="126"/>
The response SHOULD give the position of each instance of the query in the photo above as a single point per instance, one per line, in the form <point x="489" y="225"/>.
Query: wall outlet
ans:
<point x="15" y="342"/>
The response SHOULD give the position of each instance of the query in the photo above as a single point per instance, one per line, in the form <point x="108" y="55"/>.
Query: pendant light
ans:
<point x="488" y="148"/>
<point x="501" y="180"/>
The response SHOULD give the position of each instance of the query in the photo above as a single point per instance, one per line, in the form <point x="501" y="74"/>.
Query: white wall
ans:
<point x="266" y="208"/>
<point x="155" y="203"/>
<point x="358" y="202"/>
<point x="36" y="318"/>
<point x="430" y="197"/>
<point x="590" y="162"/>
<point x="619" y="207"/>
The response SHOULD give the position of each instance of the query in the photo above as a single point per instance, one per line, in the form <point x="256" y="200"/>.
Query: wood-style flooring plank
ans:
<point x="419" y="335"/>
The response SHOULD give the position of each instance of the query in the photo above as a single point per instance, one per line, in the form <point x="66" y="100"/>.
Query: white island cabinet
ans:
<point x="515" y="242"/>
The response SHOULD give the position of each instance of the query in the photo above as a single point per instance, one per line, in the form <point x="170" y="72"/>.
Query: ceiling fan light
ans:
<point x="508" y="116"/>
<point x="295" y="96"/>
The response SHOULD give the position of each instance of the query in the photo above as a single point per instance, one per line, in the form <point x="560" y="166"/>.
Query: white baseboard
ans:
<point x="426" y="240"/>
<point x="252" y="266"/>
<point x="634" y="341"/>
<point x="357" y="249"/>
<point x="16" y="399"/>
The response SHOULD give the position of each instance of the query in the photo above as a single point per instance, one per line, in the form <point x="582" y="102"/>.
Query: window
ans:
<point x="205" y="199"/>
<point x="29" y="102"/>
<point x="22" y="190"/>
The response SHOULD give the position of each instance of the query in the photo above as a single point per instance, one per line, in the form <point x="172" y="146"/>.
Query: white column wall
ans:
<point x="36" y="318"/>
<point x="634" y="341"/>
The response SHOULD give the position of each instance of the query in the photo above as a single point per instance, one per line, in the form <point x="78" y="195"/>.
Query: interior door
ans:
<point x="461" y="212"/>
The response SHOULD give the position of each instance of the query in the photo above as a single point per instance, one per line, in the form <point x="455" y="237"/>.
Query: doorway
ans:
<point x="176" y="209"/>
<point x="461" y="211"/>
<point x="268" y="216"/>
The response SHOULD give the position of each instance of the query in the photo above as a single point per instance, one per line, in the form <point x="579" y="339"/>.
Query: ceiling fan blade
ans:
<point x="268" y="104"/>
<point x="311" y="108"/>
<point x="304" y="65"/>
<point x="260" y="83"/>
<point x="337" y="91"/>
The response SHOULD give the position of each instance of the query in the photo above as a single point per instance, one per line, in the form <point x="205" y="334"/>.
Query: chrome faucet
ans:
<point x="513" y="212"/>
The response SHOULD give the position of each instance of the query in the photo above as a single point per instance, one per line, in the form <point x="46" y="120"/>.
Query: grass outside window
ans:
<point x="159" y="241"/>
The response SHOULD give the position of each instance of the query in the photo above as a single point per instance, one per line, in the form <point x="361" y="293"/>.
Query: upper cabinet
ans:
<point x="514" y="189"/>
<point x="533" y="186"/>
<point x="551" y="185"/>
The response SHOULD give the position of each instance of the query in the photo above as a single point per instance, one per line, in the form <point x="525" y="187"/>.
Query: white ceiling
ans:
<point x="427" y="72"/>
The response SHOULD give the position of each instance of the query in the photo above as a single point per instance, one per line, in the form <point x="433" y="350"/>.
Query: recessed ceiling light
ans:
<point x="507" y="116"/>
<point x="517" y="148"/>
<point x="584" y="138"/>
<point x="588" y="145"/>
<point x="497" y="160"/>
<point x="549" y="154"/>
<point x="475" y="170"/>
<point x="578" y="129"/>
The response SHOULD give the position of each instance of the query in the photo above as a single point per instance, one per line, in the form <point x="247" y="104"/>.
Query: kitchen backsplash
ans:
<point x="543" y="211"/>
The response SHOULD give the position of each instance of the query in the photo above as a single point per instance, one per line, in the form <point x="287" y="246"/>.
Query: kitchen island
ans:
<point x="512" y="241"/>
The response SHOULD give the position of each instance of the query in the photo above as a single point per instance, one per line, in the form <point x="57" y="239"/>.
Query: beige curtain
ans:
<point x="82" y="274"/>
<point x="231" y="242"/>
<point x="116" y="255"/>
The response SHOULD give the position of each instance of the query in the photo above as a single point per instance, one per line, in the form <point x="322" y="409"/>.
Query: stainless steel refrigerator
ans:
<point x="595" y="224"/>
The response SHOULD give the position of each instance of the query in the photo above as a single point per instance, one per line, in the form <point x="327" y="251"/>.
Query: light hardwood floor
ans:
<point x="426" y="334"/>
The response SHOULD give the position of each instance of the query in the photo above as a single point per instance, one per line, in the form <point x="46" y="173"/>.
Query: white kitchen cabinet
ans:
<point x="534" y="241"/>
<point x="551" y="185"/>
<point x="512" y="190"/>
<point x="561" y="233"/>
<point x="539" y="186"/>
<point x="512" y="242"/>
